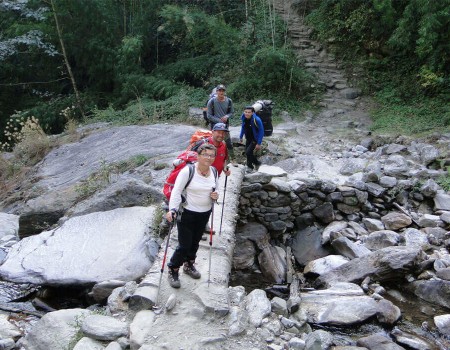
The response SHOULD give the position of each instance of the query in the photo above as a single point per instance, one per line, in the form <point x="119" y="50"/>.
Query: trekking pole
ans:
<point x="165" y="255"/>
<point x="210" y="238"/>
<point x="223" y="202"/>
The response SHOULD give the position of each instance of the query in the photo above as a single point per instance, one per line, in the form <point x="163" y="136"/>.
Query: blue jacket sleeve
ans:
<point x="260" y="135"/>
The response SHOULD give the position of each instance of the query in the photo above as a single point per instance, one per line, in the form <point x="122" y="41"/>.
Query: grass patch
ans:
<point x="444" y="180"/>
<point x="417" y="117"/>
<point x="101" y="178"/>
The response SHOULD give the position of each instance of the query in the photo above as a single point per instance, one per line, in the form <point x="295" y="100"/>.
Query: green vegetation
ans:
<point x="413" y="117"/>
<point x="444" y="180"/>
<point x="403" y="48"/>
<point x="141" y="61"/>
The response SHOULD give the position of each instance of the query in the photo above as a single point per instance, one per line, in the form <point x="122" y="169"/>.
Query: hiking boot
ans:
<point x="249" y="170"/>
<point x="189" y="269"/>
<point x="174" y="279"/>
<point x="257" y="165"/>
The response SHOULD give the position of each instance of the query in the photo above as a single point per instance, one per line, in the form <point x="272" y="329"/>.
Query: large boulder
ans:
<point x="382" y="265"/>
<point x="112" y="245"/>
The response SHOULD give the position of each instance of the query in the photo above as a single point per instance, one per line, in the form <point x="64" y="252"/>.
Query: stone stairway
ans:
<point x="339" y="95"/>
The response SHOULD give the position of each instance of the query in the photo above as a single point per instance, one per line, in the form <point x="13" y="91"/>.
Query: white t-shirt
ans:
<point x="197" y="193"/>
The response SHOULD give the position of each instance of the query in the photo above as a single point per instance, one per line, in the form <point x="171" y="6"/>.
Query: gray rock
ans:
<point x="244" y="254"/>
<point x="125" y="192"/>
<point x="320" y="340"/>
<point x="342" y="304"/>
<point x="444" y="273"/>
<point x="254" y="232"/>
<point x="395" y="221"/>
<point x="388" y="181"/>
<point x="86" y="343"/>
<point x="297" y="343"/>
<point x="378" y="342"/>
<point x="7" y="329"/>
<point x="429" y="188"/>
<point x="7" y="344"/>
<point x="272" y="261"/>
<point x="335" y="226"/>
<point x="442" y="323"/>
<point x="428" y="220"/>
<point x="324" y="213"/>
<point x="279" y="306"/>
<point x="415" y="238"/>
<point x="323" y="265"/>
<point x="238" y="321"/>
<point x="349" y="249"/>
<point x="394" y="148"/>
<point x="442" y="201"/>
<point x="307" y="245"/>
<point x="279" y="185"/>
<point x="114" y="346"/>
<point x="427" y="153"/>
<point x="375" y="189"/>
<point x="411" y="341"/>
<point x="65" y="167"/>
<point x="141" y="328"/>
<point x="373" y="225"/>
<point x="55" y="330"/>
<point x="445" y="217"/>
<point x="258" y="306"/>
<point x="103" y="327"/>
<point x="384" y="264"/>
<point x="381" y="239"/>
<point x="88" y="245"/>
<point x="352" y="166"/>
<point x="102" y="290"/>
<point x="388" y="313"/>
<point x="396" y="165"/>
<point x="433" y="291"/>
<point x="9" y="224"/>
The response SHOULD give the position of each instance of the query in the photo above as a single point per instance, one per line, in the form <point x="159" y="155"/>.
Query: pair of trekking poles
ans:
<point x="210" y="239"/>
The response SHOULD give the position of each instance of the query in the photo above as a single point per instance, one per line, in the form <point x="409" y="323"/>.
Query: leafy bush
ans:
<point x="273" y="71"/>
<point x="193" y="71"/>
<point x="410" y="38"/>
<point x="135" y="86"/>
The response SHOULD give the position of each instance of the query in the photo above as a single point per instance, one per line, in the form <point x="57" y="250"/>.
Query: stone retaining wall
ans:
<point x="282" y="205"/>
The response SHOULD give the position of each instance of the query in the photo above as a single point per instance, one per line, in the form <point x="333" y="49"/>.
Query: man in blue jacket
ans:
<point x="253" y="129"/>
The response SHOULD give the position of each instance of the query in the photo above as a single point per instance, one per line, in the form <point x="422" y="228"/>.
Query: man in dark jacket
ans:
<point x="253" y="130"/>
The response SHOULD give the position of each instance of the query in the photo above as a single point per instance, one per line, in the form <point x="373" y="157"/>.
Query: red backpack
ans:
<point x="185" y="158"/>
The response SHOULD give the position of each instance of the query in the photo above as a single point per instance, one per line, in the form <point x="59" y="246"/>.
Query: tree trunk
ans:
<point x="66" y="60"/>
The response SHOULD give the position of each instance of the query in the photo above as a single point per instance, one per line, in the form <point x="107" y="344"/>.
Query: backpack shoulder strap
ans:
<point x="229" y="105"/>
<point x="216" y="174"/>
<point x="191" y="167"/>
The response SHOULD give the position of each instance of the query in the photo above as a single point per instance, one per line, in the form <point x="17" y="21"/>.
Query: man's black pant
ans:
<point x="250" y="153"/>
